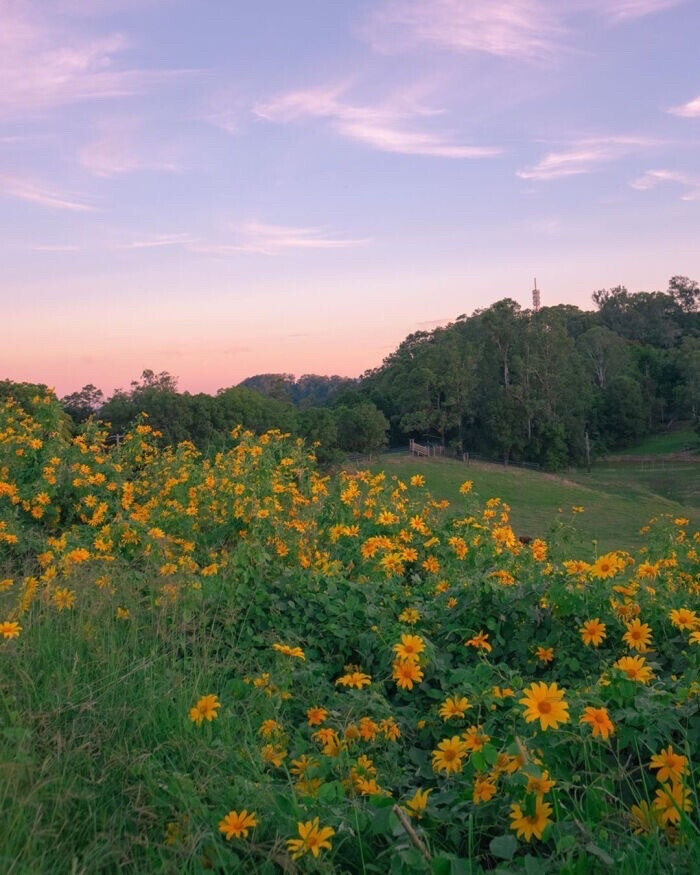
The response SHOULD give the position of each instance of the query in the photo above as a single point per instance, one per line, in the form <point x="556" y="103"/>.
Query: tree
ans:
<point x="84" y="404"/>
<point x="685" y="292"/>
<point x="362" y="428"/>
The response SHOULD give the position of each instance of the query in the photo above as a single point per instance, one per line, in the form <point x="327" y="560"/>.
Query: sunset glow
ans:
<point x="223" y="189"/>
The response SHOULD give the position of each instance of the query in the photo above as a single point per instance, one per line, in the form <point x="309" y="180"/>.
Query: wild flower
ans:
<point x="671" y="765"/>
<point x="205" y="709"/>
<point x="296" y="652"/>
<point x="315" y="716"/>
<point x="454" y="706"/>
<point x="599" y="721"/>
<point x="635" y="668"/>
<point x="10" y="629"/>
<point x="637" y="636"/>
<point x="416" y="805"/>
<point x="449" y="755"/>
<point x="593" y="632"/>
<point x="409" y="648"/>
<point x="671" y="800"/>
<point x="480" y="641"/>
<point x="528" y="825"/>
<point x="313" y="838"/>
<point x="545" y="702"/>
<point x="356" y="679"/>
<point x="237" y="824"/>
<point x="406" y="673"/>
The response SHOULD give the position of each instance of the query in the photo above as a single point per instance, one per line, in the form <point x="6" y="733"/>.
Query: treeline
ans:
<point x="348" y="423"/>
<point x="549" y="387"/>
<point x="539" y="386"/>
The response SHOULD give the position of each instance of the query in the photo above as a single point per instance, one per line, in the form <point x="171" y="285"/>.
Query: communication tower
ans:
<point x="535" y="297"/>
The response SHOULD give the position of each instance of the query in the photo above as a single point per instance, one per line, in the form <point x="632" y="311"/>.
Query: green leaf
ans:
<point x="504" y="847"/>
<point x="331" y="792"/>
<point x="533" y="866"/>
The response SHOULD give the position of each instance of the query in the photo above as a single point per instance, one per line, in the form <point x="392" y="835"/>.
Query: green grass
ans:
<point x="617" y="499"/>
<point x="676" y="441"/>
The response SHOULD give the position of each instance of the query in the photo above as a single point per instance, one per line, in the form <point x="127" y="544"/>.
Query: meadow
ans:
<point x="245" y="663"/>
<point x="618" y="496"/>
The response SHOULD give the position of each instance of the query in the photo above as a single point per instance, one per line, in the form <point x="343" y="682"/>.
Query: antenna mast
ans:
<point x="535" y="297"/>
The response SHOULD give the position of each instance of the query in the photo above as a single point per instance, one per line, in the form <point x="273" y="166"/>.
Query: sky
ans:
<point x="228" y="187"/>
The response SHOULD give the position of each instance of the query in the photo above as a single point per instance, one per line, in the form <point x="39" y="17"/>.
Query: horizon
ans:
<point x="224" y="193"/>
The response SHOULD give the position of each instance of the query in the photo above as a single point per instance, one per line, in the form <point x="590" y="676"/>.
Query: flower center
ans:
<point x="545" y="707"/>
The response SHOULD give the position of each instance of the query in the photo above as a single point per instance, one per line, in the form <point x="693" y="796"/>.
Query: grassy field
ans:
<point x="245" y="665"/>
<point x="675" y="441"/>
<point x="618" y="498"/>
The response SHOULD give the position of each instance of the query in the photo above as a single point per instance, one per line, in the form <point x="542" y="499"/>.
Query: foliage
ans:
<point x="530" y="386"/>
<point x="237" y="662"/>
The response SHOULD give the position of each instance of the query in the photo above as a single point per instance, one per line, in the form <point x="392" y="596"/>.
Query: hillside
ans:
<point x="618" y="499"/>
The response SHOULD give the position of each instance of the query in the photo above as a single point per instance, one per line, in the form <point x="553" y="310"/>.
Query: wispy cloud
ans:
<point x="621" y="10"/>
<point x="532" y="30"/>
<point x="584" y="156"/>
<point x="38" y="193"/>
<point x="691" y="109"/>
<point x="157" y="241"/>
<point x="389" y="127"/>
<point x="506" y="28"/>
<point x="43" y="66"/>
<point x="263" y="239"/>
<point x="652" y="178"/>
<point x="123" y="147"/>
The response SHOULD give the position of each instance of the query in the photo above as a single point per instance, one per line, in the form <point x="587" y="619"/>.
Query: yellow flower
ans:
<point x="330" y="740"/>
<point x="417" y="804"/>
<point x="671" y="800"/>
<point x="635" y="668"/>
<point x="237" y="824"/>
<point x="406" y="674"/>
<point x="480" y="640"/>
<point x="593" y="632"/>
<point x="644" y="818"/>
<point x="637" y="636"/>
<point x="312" y="837"/>
<point x="607" y="566"/>
<point x="454" y="706"/>
<point x="545" y="703"/>
<point x="599" y="721"/>
<point x="355" y="679"/>
<point x="273" y="754"/>
<point x="315" y="716"/>
<point x="466" y="487"/>
<point x="390" y="728"/>
<point x="301" y="766"/>
<point x="449" y="755"/>
<point x="528" y="825"/>
<point x="540" y="786"/>
<point x="684" y="619"/>
<point x="474" y="738"/>
<point x="64" y="598"/>
<point x="410" y="648"/>
<point x="410" y="615"/>
<point x="205" y="709"/>
<point x="417" y="480"/>
<point x="289" y="651"/>
<point x="10" y="629"/>
<point x="545" y="654"/>
<point x="672" y="766"/>
<point x="484" y="790"/>
<point x="269" y="728"/>
<point x="368" y="786"/>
